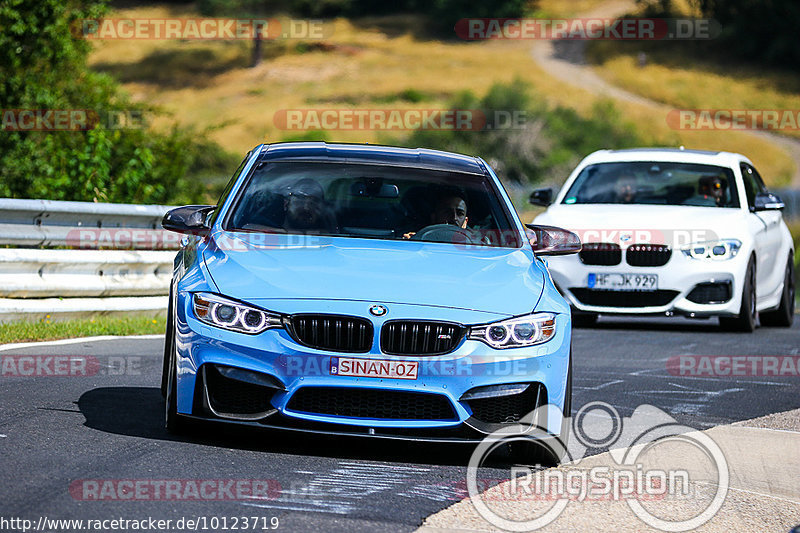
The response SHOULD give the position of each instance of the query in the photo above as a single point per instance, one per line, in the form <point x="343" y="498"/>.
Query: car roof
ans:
<point x="373" y="153"/>
<point x="678" y="155"/>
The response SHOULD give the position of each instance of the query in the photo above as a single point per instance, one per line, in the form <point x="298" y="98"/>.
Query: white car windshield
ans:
<point x="647" y="182"/>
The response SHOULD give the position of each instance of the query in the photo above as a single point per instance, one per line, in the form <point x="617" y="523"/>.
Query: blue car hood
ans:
<point x="269" y="266"/>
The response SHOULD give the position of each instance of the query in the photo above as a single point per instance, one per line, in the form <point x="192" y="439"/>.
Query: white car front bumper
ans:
<point x="676" y="281"/>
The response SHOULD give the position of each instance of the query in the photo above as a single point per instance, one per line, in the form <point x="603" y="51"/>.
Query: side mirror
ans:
<point x="766" y="201"/>
<point x="189" y="219"/>
<point x="543" y="197"/>
<point x="550" y="240"/>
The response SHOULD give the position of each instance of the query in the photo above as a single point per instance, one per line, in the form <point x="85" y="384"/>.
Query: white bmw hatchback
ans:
<point x="673" y="231"/>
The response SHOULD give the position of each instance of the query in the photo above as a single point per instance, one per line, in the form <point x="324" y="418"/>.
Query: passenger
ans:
<point x="625" y="189"/>
<point x="306" y="209"/>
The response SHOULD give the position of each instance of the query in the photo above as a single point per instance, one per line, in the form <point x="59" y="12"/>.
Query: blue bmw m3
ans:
<point x="368" y="291"/>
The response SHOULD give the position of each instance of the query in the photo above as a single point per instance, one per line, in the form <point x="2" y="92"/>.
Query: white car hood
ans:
<point x="657" y="224"/>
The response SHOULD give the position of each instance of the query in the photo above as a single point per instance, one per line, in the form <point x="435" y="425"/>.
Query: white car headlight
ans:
<point x="720" y="250"/>
<point x="516" y="332"/>
<point x="235" y="316"/>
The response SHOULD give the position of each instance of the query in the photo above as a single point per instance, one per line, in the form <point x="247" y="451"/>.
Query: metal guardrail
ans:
<point x="791" y="199"/>
<point x="113" y="258"/>
<point x="77" y="224"/>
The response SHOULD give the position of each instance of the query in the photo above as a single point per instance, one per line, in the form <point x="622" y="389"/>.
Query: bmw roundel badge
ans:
<point x="378" y="310"/>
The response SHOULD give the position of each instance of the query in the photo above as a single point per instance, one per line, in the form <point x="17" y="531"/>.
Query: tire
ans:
<point x="173" y="422"/>
<point x="745" y="322"/>
<point x="551" y="451"/>
<point x="168" y="342"/>
<point x="582" y="319"/>
<point x="783" y="316"/>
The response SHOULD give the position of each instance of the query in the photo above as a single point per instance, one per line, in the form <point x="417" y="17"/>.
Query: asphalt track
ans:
<point x="56" y="431"/>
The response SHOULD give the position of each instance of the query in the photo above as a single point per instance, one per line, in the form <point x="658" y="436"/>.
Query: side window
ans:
<point x="759" y="182"/>
<point x="752" y="183"/>
<point x="227" y="190"/>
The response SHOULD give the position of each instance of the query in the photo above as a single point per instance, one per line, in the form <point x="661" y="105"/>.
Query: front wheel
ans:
<point x="746" y="320"/>
<point x="550" y="451"/>
<point x="167" y="348"/>
<point x="173" y="422"/>
<point x="783" y="316"/>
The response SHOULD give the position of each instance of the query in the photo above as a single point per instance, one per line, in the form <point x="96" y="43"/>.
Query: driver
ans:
<point x="450" y="208"/>
<point x="710" y="192"/>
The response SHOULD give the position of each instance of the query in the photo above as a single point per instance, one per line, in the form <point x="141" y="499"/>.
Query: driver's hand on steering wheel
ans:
<point x="412" y="233"/>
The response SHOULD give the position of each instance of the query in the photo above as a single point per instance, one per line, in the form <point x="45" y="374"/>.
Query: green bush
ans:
<point x="546" y="143"/>
<point x="443" y="13"/>
<point x="44" y="67"/>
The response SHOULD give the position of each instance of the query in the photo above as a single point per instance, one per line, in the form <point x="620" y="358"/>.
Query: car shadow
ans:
<point x="139" y="412"/>
<point x="676" y="324"/>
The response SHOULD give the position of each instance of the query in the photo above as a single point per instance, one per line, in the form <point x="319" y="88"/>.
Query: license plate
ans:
<point x="373" y="368"/>
<point x="623" y="282"/>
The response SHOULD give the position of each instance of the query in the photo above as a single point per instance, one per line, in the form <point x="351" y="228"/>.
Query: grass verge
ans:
<point x="45" y="330"/>
<point x="367" y="63"/>
<point x="672" y="75"/>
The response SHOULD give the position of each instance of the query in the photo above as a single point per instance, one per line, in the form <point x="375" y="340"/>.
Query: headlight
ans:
<point x="228" y="314"/>
<point x="714" y="250"/>
<point x="515" y="332"/>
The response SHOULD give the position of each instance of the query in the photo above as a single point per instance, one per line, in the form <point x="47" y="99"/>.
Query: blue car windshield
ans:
<point x="647" y="182"/>
<point x="373" y="201"/>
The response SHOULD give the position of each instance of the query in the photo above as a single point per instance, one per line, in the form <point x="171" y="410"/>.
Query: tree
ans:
<point x="43" y="61"/>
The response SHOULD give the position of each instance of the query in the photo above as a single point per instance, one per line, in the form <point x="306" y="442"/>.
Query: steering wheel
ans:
<point x="445" y="233"/>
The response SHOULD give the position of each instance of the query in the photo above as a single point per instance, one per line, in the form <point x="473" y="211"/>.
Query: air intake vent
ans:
<point x="648" y="255"/>
<point x="234" y="397"/>
<point x="336" y="333"/>
<point x="710" y="293"/>
<point x="508" y="409"/>
<point x="609" y="298"/>
<point x="600" y="253"/>
<point x="372" y="403"/>
<point x="412" y="337"/>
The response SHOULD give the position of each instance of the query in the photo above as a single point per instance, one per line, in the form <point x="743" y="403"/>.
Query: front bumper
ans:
<point x="291" y="367"/>
<point x="676" y="281"/>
